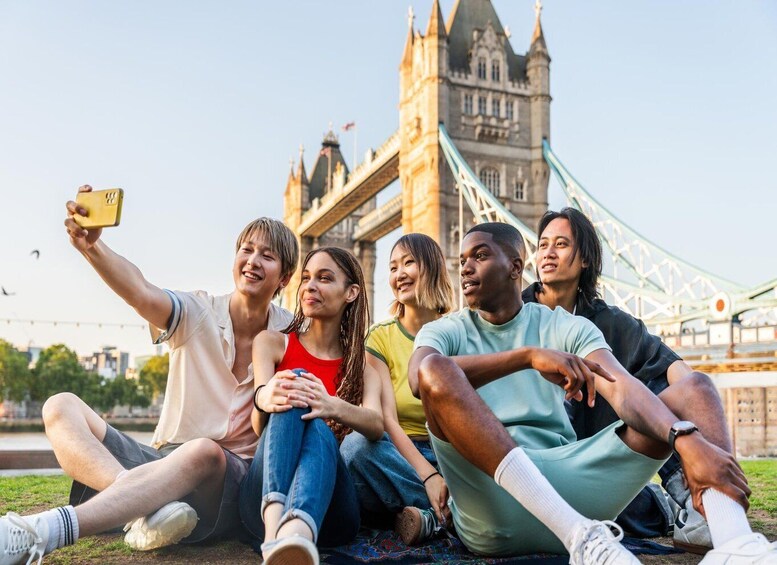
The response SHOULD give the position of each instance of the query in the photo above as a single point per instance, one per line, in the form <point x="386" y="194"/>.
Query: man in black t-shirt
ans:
<point x="569" y="263"/>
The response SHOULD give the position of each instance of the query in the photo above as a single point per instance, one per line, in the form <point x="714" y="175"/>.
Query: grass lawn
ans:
<point x="32" y="494"/>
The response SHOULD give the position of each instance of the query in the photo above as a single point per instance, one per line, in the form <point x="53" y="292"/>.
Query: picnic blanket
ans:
<point x="385" y="546"/>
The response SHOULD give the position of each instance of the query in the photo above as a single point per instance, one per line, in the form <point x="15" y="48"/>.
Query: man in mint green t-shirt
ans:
<point x="493" y="380"/>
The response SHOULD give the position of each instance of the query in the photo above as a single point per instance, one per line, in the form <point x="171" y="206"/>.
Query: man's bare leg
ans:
<point x="695" y="398"/>
<point x="454" y="409"/>
<point x="76" y="433"/>
<point x="196" y="469"/>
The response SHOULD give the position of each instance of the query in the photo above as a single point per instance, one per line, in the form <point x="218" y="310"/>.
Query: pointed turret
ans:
<point x="537" y="38"/>
<point x="301" y="175"/>
<point x="407" y="53"/>
<point x="291" y="171"/>
<point x="436" y="27"/>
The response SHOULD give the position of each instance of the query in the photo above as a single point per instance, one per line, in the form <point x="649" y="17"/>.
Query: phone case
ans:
<point x="103" y="206"/>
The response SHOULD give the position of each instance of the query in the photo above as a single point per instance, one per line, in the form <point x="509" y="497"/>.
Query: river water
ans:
<point x="38" y="440"/>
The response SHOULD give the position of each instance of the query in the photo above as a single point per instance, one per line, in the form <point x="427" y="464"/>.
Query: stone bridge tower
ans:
<point x="329" y="174"/>
<point x="495" y="105"/>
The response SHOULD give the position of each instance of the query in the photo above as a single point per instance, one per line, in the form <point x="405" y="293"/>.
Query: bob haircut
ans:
<point x="434" y="289"/>
<point x="280" y="239"/>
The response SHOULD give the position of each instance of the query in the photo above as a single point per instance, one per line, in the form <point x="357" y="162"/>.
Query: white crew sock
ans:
<point x="725" y="517"/>
<point x="519" y="476"/>
<point x="63" y="526"/>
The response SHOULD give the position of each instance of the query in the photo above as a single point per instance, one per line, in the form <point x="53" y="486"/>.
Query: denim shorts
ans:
<point x="130" y="453"/>
<point x="597" y="476"/>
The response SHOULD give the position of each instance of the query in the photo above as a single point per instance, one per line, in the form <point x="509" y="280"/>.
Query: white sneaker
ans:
<point x="593" y="543"/>
<point x="293" y="550"/>
<point x="168" y="525"/>
<point x="22" y="541"/>
<point x="746" y="549"/>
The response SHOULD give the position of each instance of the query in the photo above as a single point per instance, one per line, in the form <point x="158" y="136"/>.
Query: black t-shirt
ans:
<point x="642" y="354"/>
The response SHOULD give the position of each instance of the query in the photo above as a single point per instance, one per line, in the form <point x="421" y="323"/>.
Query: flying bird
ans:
<point x="36" y="253"/>
<point x="5" y="292"/>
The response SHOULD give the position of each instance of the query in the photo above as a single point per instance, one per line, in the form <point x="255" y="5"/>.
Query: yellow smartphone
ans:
<point x="103" y="208"/>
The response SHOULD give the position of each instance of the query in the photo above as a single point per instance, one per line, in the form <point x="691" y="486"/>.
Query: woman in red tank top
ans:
<point x="312" y="388"/>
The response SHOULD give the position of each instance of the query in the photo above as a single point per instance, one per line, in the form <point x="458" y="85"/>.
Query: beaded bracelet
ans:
<point x="430" y="476"/>
<point x="256" y="404"/>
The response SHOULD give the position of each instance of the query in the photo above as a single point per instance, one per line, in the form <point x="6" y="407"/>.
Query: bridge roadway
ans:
<point x="375" y="173"/>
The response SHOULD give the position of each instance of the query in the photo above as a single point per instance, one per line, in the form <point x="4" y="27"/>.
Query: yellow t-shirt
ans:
<point x="392" y="344"/>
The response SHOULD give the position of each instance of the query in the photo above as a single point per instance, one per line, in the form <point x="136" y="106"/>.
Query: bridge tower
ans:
<point x="494" y="103"/>
<point x="304" y="193"/>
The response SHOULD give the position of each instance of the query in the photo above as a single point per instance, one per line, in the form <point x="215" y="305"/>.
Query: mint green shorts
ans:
<point x="597" y="476"/>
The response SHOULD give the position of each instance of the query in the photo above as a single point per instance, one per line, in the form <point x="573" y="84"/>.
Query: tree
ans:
<point x="153" y="375"/>
<point x="15" y="376"/>
<point x="58" y="370"/>
<point x="122" y="391"/>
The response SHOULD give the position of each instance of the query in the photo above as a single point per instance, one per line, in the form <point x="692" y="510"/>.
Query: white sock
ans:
<point x="519" y="476"/>
<point x="63" y="526"/>
<point x="725" y="517"/>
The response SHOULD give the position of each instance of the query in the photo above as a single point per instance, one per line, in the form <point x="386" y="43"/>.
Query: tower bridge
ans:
<point x="473" y="145"/>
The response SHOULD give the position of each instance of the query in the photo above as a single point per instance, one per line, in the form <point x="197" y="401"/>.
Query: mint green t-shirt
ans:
<point x="530" y="407"/>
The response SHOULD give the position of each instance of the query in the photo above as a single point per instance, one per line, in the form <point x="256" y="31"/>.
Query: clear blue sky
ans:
<point x="663" y="110"/>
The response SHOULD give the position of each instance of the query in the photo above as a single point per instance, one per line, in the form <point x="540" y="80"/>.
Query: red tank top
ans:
<point x="297" y="357"/>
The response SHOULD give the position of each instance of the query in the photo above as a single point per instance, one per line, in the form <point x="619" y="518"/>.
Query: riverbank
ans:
<point x="22" y="425"/>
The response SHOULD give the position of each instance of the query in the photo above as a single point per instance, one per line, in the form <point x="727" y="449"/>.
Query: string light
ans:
<point x="77" y="324"/>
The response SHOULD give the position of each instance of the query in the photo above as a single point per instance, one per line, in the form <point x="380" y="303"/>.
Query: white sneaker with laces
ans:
<point x="168" y="525"/>
<point x="593" y="543"/>
<point x="748" y="549"/>
<point x="22" y="541"/>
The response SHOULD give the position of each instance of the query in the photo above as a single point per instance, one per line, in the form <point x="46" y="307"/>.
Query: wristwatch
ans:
<point x="681" y="428"/>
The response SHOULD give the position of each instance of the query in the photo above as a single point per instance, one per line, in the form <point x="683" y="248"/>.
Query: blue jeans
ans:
<point x="384" y="480"/>
<point x="298" y="465"/>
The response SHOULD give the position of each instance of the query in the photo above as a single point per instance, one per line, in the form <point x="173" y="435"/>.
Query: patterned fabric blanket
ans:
<point x="383" y="546"/>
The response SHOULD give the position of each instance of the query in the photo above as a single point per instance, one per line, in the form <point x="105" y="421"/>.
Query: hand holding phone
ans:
<point x="103" y="208"/>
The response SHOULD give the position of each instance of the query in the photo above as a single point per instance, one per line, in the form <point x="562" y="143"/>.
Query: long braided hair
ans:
<point x="353" y="331"/>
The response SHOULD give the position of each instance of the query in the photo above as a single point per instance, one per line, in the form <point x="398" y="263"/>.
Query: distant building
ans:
<point x="108" y="363"/>
<point x="32" y="353"/>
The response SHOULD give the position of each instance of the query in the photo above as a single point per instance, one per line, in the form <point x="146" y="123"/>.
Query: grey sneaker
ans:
<point x="22" y="540"/>
<point x="594" y="543"/>
<point x="168" y="525"/>
<point x="416" y="526"/>
<point x="691" y="532"/>
<point x="747" y="549"/>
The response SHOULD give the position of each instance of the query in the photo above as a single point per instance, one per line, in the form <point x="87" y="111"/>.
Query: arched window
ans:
<point x="520" y="190"/>
<point x="482" y="68"/>
<point x="490" y="178"/>
<point x="468" y="110"/>
<point x="495" y="70"/>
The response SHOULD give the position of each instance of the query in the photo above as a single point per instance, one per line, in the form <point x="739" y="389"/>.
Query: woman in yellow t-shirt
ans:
<point x="398" y="474"/>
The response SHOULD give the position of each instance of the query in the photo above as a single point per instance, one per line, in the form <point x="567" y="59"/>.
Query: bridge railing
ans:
<point x="659" y="287"/>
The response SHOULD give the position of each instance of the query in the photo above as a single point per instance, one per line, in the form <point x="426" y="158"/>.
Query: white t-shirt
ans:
<point x="203" y="399"/>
